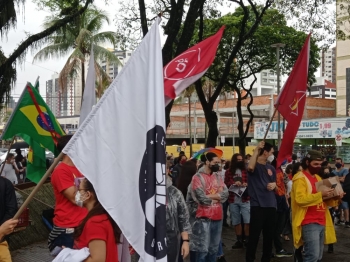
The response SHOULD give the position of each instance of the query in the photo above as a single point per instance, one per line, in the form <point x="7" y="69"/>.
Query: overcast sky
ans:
<point x="31" y="22"/>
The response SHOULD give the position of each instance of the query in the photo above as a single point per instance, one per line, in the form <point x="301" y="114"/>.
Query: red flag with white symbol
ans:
<point x="188" y="67"/>
<point x="291" y="101"/>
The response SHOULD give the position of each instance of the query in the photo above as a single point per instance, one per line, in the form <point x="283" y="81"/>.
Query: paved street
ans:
<point x="39" y="253"/>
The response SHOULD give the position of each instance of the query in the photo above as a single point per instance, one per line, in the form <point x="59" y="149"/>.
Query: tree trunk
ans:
<point x="213" y="132"/>
<point x="242" y="145"/>
<point x="82" y="80"/>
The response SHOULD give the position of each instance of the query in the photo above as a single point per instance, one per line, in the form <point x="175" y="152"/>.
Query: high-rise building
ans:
<point x="64" y="102"/>
<point x="113" y="69"/>
<point x="328" y="64"/>
<point x="323" y="89"/>
<point x="265" y="84"/>
<point x="343" y="59"/>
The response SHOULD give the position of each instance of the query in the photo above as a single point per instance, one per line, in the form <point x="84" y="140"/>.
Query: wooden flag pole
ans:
<point x="37" y="187"/>
<point x="25" y="193"/>
<point x="268" y="127"/>
<point x="8" y="151"/>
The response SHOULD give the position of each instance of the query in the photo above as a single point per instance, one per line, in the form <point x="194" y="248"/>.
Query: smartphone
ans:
<point x="333" y="185"/>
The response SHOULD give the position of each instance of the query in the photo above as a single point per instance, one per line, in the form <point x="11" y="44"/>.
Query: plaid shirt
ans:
<point x="229" y="181"/>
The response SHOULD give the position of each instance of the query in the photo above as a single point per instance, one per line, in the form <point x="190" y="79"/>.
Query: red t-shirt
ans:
<point x="314" y="214"/>
<point x="99" y="228"/>
<point x="67" y="214"/>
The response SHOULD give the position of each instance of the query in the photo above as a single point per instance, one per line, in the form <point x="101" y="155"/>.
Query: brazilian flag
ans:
<point x="36" y="159"/>
<point x="34" y="122"/>
<point x="34" y="118"/>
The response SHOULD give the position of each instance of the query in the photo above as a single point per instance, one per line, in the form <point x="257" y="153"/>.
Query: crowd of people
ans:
<point x="249" y="192"/>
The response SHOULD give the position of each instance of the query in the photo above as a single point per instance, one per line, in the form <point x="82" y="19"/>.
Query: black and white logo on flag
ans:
<point x="152" y="189"/>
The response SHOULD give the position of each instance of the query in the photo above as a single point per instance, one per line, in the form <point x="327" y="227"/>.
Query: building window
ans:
<point x="264" y="80"/>
<point x="264" y="74"/>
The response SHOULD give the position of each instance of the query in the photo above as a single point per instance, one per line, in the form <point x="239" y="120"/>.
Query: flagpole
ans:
<point x="8" y="151"/>
<point x="268" y="127"/>
<point x="38" y="186"/>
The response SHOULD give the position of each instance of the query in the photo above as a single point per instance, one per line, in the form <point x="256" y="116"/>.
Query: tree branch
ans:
<point x="34" y="38"/>
<point x="240" y="43"/>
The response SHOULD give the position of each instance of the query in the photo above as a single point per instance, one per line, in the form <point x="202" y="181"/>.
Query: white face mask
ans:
<point x="271" y="158"/>
<point x="78" y="199"/>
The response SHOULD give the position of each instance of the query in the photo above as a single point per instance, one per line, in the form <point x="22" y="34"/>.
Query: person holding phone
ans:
<point x="311" y="220"/>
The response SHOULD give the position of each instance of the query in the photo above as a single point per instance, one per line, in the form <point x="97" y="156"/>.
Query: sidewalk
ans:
<point x="38" y="252"/>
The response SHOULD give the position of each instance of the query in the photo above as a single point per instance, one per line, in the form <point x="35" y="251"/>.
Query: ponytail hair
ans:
<point x="95" y="211"/>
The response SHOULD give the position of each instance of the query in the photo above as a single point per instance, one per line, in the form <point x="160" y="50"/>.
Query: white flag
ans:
<point x="89" y="96"/>
<point x="120" y="148"/>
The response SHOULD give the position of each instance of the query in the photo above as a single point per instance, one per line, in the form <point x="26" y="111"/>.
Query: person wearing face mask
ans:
<point x="239" y="205"/>
<point x="175" y="173"/>
<point x="261" y="190"/>
<point x="209" y="191"/>
<point x="311" y="220"/>
<point x="10" y="169"/>
<point x="342" y="172"/>
<point x="97" y="231"/>
<point x="67" y="214"/>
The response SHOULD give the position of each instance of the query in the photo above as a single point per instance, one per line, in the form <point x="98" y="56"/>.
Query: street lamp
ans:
<point x="278" y="46"/>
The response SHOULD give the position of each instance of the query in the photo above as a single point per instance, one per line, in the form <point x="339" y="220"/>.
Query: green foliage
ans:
<point x="317" y="16"/>
<point x="76" y="39"/>
<point x="6" y="80"/>
<point x="256" y="54"/>
<point x="343" y="20"/>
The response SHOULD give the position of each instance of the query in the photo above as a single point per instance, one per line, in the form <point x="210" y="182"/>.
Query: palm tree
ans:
<point x="77" y="39"/>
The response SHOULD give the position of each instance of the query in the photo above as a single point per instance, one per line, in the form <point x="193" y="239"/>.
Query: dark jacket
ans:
<point x="175" y="173"/>
<point x="8" y="200"/>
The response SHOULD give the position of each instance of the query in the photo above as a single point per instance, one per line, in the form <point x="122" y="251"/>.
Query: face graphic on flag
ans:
<point x="34" y="117"/>
<point x="152" y="188"/>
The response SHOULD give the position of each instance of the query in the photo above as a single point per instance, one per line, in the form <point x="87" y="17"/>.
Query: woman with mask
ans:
<point x="97" y="231"/>
<point x="239" y="205"/>
<point x="209" y="191"/>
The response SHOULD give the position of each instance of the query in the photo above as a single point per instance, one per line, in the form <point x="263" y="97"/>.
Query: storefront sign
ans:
<point x="313" y="128"/>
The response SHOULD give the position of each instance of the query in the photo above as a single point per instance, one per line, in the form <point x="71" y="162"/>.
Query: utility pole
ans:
<point x="189" y="123"/>
<point x="278" y="47"/>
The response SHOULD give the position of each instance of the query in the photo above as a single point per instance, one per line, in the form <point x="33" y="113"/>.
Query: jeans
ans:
<point x="210" y="240"/>
<point x="220" y="250"/>
<point x="261" y="219"/>
<point x="240" y="210"/>
<point x="280" y="222"/>
<point x="313" y="237"/>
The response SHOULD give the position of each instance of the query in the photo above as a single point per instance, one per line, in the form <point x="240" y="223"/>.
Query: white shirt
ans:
<point x="10" y="173"/>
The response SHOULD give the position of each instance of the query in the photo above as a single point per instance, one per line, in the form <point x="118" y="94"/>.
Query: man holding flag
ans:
<point x="68" y="214"/>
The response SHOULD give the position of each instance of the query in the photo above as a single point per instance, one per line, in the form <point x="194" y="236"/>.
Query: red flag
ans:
<point x="291" y="101"/>
<point x="188" y="67"/>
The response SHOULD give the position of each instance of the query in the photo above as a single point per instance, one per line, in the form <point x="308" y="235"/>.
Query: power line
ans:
<point x="41" y="67"/>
